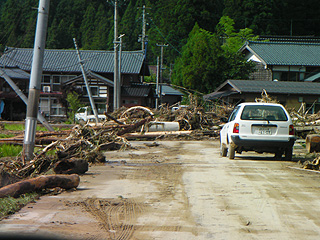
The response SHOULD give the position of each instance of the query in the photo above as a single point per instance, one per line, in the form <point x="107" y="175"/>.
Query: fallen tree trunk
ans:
<point x="313" y="143"/>
<point x="134" y="126"/>
<point x="114" y="119"/>
<point x="152" y="135"/>
<point x="38" y="183"/>
<point x="70" y="166"/>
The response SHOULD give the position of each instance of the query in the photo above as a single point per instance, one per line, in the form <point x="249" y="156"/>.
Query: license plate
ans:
<point x="264" y="131"/>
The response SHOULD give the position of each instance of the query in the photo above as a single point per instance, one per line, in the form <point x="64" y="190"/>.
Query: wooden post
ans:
<point x="313" y="143"/>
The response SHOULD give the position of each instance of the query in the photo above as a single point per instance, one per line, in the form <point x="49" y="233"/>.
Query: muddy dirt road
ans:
<point x="180" y="190"/>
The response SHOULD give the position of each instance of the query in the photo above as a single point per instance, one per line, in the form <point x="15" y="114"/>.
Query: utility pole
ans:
<point x="119" y="66"/>
<point x="161" y="68"/>
<point x="116" y="77"/>
<point x="143" y="38"/>
<point x="35" y="79"/>
<point x="116" y="87"/>
<point x="157" y="84"/>
<point x="93" y="106"/>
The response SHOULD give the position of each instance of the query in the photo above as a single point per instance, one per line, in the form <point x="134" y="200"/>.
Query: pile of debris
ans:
<point x="72" y="151"/>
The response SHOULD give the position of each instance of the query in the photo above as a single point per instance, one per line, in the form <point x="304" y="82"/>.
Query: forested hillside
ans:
<point x="168" y="22"/>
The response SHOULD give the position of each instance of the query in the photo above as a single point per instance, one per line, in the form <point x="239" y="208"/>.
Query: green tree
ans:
<point x="232" y="40"/>
<point x="205" y="63"/>
<point x="74" y="104"/>
<point x="198" y="66"/>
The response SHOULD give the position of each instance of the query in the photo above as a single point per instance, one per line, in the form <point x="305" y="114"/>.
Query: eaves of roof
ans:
<point x="168" y="90"/>
<point x="136" y="91"/>
<point x="92" y="75"/>
<point x="285" y="53"/>
<point x="57" y="60"/>
<point x="15" y="73"/>
<point x="275" y="87"/>
<point x="272" y="87"/>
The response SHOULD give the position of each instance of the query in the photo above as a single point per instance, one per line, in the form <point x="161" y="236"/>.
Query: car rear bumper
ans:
<point x="253" y="143"/>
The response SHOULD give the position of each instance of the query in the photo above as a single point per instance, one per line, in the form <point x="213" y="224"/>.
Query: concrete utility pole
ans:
<point x="157" y="84"/>
<point x="119" y="68"/>
<point x="161" y="68"/>
<point x="35" y="79"/>
<point x="143" y="38"/>
<point x="93" y="106"/>
<point x="116" y="83"/>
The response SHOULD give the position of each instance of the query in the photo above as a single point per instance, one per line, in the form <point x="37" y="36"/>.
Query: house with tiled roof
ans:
<point x="283" y="60"/>
<point x="61" y="68"/>
<point x="290" y="94"/>
<point x="287" y="69"/>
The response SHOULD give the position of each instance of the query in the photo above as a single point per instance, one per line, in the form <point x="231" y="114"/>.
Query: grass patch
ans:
<point x="7" y="150"/>
<point x="2" y="135"/>
<point x="21" y="127"/>
<point x="14" y="127"/>
<point x="10" y="205"/>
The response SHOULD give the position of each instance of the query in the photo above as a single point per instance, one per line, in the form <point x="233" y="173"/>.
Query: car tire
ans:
<point x="223" y="150"/>
<point x="231" y="151"/>
<point x="288" y="153"/>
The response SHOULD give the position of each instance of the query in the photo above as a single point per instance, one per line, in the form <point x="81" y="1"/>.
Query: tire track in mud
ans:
<point x="117" y="216"/>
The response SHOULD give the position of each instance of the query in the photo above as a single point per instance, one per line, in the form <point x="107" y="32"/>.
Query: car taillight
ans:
<point x="236" y="128"/>
<point x="291" y="130"/>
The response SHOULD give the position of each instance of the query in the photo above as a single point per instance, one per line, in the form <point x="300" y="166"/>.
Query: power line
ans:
<point x="165" y="37"/>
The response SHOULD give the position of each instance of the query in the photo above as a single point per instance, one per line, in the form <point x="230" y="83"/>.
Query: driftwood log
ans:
<point x="313" y="143"/>
<point x="39" y="183"/>
<point x="152" y="135"/>
<point x="134" y="126"/>
<point x="71" y="166"/>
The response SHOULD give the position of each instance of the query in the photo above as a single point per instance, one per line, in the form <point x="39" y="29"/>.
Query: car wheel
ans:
<point x="231" y="151"/>
<point x="288" y="153"/>
<point x="223" y="150"/>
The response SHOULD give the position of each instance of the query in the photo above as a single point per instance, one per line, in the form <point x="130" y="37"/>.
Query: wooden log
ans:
<point x="114" y="119"/>
<point x="111" y="146"/>
<point x="152" y="135"/>
<point x="70" y="166"/>
<point x="134" y="126"/>
<point x="313" y="143"/>
<point x="39" y="183"/>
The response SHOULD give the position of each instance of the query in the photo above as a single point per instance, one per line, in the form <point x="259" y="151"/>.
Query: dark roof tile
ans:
<point x="57" y="60"/>
<point x="285" y="53"/>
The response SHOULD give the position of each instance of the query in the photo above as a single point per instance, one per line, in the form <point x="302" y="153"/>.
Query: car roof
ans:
<point x="257" y="103"/>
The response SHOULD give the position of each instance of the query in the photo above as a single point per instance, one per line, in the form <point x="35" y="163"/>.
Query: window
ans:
<point x="94" y="91"/>
<point x="54" y="82"/>
<point x="261" y="112"/>
<point x="57" y="108"/>
<point x="46" y="79"/>
<point x="234" y="114"/>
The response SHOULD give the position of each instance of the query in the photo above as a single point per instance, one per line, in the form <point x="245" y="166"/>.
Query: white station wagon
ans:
<point x="259" y="127"/>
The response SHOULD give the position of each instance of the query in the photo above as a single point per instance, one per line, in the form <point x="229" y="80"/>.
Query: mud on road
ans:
<point x="180" y="190"/>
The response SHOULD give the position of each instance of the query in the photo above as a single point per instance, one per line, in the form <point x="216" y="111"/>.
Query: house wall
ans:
<point x="261" y="73"/>
<point x="171" y="99"/>
<point x="131" y="101"/>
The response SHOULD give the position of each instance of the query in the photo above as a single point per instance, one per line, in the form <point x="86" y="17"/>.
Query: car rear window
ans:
<point x="263" y="112"/>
